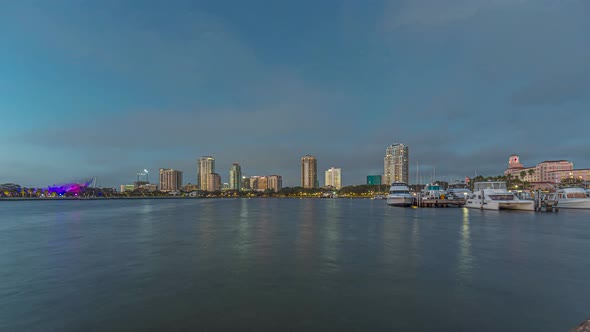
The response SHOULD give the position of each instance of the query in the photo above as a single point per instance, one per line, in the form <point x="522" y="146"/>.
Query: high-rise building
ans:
<point x="333" y="178"/>
<point x="213" y="182"/>
<point x="374" y="180"/>
<point x="205" y="167"/>
<point x="235" y="177"/>
<point x="258" y="183"/>
<point x="396" y="164"/>
<point x="275" y="182"/>
<point x="309" y="172"/>
<point x="170" y="179"/>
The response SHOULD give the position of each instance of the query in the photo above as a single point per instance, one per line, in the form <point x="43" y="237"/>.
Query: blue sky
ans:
<point x="108" y="88"/>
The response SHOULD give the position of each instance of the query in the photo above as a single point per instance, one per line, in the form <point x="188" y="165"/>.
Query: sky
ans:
<point x="109" y="88"/>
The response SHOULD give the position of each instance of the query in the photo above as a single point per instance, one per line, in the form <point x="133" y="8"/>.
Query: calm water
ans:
<point x="288" y="264"/>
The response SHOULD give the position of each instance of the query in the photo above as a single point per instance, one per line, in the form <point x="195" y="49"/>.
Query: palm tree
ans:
<point x="522" y="176"/>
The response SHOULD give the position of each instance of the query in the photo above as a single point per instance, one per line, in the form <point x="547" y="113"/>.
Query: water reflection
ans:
<point x="306" y="230"/>
<point x="332" y="236"/>
<point x="243" y="242"/>
<point x="465" y="259"/>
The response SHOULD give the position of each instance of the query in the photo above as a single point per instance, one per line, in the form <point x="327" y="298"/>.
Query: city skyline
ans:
<point x="108" y="89"/>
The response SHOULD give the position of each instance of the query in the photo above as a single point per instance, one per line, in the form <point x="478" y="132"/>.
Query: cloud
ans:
<point x="432" y="13"/>
<point x="555" y="90"/>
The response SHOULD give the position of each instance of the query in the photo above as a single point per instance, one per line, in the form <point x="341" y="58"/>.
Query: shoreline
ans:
<point x="12" y="199"/>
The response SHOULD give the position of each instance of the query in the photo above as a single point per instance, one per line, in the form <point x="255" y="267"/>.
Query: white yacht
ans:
<point x="494" y="196"/>
<point x="399" y="195"/>
<point x="571" y="198"/>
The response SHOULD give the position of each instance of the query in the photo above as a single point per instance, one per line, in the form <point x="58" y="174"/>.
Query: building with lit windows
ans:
<point x="213" y="182"/>
<point x="309" y="172"/>
<point x="396" y="164"/>
<point x="333" y="178"/>
<point x="245" y="183"/>
<point x="235" y="177"/>
<point x="275" y="182"/>
<point x="206" y="166"/>
<point x="170" y="179"/>
<point x="546" y="173"/>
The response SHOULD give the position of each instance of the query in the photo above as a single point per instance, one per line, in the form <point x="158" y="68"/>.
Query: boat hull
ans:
<point x="574" y="204"/>
<point x="400" y="201"/>
<point x="501" y="205"/>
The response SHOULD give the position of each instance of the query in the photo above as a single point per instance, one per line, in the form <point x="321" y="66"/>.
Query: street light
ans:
<point x="147" y="178"/>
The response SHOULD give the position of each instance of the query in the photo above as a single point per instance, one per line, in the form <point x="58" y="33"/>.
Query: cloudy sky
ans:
<point x="108" y="88"/>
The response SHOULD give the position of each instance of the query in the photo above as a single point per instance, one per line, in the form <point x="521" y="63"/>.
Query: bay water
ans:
<point x="289" y="265"/>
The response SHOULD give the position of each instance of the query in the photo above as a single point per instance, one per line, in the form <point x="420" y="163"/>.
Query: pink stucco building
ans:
<point x="546" y="173"/>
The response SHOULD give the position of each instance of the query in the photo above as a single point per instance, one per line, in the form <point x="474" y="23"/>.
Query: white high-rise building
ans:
<point x="396" y="164"/>
<point x="206" y="166"/>
<point x="333" y="178"/>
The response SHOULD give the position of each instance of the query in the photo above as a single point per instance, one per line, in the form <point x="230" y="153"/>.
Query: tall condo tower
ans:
<point x="206" y="166"/>
<point x="396" y="164"/>
<point x="235" y="177"/>
<point x="333" y="178"/>
<point x="309" y="172"/>
<point x="170" y="179"/>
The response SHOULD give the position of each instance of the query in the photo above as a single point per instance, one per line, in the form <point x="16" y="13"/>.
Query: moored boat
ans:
<point x="495" y="196"/>
<point x="399" y="195"/>
<point x="570" y="198"/>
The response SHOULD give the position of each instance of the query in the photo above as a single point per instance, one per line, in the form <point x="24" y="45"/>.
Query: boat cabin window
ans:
<point x="489" y="185"/>
<point x="576" y="195"/>
<point x="399" y="192"/>
<point x="507" y="197"/>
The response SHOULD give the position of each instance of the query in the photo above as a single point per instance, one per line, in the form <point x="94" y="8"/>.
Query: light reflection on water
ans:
<point x="465" y="257"/>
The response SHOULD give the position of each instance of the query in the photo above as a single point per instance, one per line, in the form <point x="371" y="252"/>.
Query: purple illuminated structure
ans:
<point x="69" y="188"/>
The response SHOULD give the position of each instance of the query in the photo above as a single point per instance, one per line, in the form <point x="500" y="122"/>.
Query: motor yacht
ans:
<point x="399" y="195"/>
<point x="495" y="196"/>
<point x="571" y="198"/>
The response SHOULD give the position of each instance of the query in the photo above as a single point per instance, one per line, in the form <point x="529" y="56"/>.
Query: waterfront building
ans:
<point x="546" y="173"/>
<point x="127" y="187"/>
<point x="245" y="184"/>
<point x="148" y="187"/>
<point x="374" y="180"/>
<point x="309" y="172"/>
<point x="213" y="182"/>
<point x="396" y="164"/>
<point x="235" y="177"/>
<point x="190" y="187"/>
<point x="170" y="179"/>
<point x="258" y="183"/>
<point x="275" y="182"/>
<point x="333" y="178"/>
<point x="206" y="166"/>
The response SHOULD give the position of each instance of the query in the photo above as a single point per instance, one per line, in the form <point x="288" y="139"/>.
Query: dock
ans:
<point x="438" y="202"/>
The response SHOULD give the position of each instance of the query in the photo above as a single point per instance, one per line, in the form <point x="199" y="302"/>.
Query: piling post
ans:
<point x="482" y="199"/>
